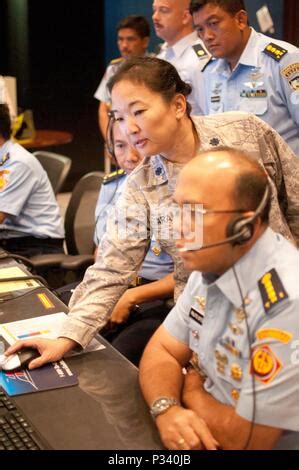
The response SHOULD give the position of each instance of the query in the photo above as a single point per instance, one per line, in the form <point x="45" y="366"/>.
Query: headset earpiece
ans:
<point x="242" y="227"/>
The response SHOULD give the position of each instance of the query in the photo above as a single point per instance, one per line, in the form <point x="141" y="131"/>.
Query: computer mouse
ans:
<point x="19" y="360"/>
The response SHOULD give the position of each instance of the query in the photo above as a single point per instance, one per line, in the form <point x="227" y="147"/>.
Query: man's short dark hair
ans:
<point x="230" y="6"/>
<point x="5" y="122"/>
<point x="138" y="23"/>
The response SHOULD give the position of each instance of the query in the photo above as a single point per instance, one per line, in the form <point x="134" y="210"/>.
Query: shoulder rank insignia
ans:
<point x="275" y="51"/>
<point x="113" y="176"/>
<point x="116" y="61"/>
<point x="4" y="159"/>
<point x="272" y="290"/>
<point x="200" y="51"/>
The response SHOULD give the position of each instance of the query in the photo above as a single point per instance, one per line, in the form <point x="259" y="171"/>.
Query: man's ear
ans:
<point x="187" y="17"/>
<point x="242" y="19"/>
<point x="146" y="42"/>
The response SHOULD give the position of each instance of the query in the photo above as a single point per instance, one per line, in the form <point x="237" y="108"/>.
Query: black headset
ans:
<point x="241" y="229"/>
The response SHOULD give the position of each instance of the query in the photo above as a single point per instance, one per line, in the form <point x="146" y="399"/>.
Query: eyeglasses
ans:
<point x="198" y="209"/>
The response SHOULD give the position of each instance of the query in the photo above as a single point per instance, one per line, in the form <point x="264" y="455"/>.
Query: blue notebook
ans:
<point x="50" y="376"/>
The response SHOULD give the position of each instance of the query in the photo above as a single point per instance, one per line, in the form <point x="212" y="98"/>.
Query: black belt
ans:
<point x="140" y="281"/>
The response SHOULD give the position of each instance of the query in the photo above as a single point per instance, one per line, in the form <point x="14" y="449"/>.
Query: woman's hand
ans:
<point x="50" y="350"/>
<point x="124" y="306"/>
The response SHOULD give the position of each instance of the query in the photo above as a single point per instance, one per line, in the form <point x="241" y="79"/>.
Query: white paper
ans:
<point x="10" y="286"/>
<point x="45" y="326"/>
<point x="265" y="20"/>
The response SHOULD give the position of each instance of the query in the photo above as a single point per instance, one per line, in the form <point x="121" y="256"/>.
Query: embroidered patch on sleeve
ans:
<point x="3" y="179"/>
<point x="265" y="365"/>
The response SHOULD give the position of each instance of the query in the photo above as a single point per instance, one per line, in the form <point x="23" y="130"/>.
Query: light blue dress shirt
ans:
<point x="208" y="317"/>
<point x="26" y="196"/>
<point x="154" y="266"/>
<point x="189" y="64"/>
<point x="260" y="85"/>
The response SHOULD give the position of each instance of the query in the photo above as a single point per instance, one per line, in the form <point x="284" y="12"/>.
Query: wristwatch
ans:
<point x="162" y="404"/>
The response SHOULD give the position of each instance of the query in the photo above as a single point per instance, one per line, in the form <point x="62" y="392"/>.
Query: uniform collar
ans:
<point x="159" y="173"/>
<point x="250" y="268"/>
<point x="180" y="46"/>
<point x="162" y="171"/>
<point x="5" y="148"/>
<point x="249" y="56"/>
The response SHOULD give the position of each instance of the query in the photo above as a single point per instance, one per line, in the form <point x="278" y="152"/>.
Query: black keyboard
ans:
<point x="16" y="433"/>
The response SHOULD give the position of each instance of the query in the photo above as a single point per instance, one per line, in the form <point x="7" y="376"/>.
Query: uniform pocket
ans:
<point x="257" y="106"/>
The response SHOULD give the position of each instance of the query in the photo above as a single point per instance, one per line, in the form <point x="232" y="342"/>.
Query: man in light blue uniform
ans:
<point x="238" y="316"/>
<point x="182" y="48"/>
<point x="250" y="71"/>
<point x="30" y="222"/>
<point x="133" y="35"/>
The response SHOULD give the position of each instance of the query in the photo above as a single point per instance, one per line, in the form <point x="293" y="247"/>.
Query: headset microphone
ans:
<point x="239" y="230"/>
<point x="198" y="246"/>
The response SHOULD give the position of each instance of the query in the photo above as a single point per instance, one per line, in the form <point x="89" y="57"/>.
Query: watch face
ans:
<point x="162" y="404"/>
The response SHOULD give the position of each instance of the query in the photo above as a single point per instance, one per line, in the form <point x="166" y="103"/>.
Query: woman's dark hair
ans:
<point x="158" y="75"/>
<point x="5" y="122"/>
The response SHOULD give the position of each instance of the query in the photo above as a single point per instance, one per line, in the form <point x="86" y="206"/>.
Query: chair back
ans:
<point x="80" y="214"/>
<point x="57" y="167"/>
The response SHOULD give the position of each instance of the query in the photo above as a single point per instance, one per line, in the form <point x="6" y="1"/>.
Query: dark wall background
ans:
<point x="62" y="68"/>
<point x="58" y="51"/>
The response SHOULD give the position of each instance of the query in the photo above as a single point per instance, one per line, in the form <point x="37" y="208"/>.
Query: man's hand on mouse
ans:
<point x="50" y="350"/>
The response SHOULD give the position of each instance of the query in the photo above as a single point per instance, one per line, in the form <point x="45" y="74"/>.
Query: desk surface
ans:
<point x="47" y="138"/>
<point x="105" y="411"/>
